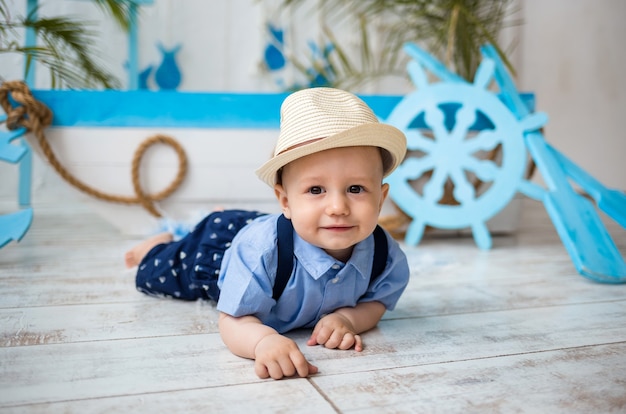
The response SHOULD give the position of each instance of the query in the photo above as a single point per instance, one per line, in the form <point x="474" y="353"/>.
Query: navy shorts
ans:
<point x="189" y="268"/>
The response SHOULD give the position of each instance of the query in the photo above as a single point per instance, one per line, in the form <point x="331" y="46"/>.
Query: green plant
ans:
<point x="65" y="46"/>
<point x="452" y="30"/>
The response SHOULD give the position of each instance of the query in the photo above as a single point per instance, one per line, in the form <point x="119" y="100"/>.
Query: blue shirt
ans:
<point x="318" y="285"/>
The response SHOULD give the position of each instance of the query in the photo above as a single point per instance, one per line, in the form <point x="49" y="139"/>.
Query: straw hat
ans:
<point x="317" y="119"/>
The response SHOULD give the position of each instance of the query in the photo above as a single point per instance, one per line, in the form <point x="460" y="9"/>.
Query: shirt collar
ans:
<point x="317" y="262"/>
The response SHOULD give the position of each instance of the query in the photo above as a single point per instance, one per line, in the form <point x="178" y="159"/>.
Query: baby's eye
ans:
<point x="315" y="190"/>
<point x="355" y="189"/>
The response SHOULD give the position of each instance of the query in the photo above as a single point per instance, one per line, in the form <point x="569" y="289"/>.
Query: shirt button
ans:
<point x="336" y="266"/>
<point x="335" y="280"/>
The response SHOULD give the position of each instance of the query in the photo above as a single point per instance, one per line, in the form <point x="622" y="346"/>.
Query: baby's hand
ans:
<point x="335" y="331"/>
<point x="277" y="356"/>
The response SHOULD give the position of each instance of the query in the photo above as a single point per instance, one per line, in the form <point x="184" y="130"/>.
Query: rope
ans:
<point x="35" y="117"/>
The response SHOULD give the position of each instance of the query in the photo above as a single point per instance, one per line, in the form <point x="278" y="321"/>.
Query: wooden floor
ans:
<point x="514" y="329"/>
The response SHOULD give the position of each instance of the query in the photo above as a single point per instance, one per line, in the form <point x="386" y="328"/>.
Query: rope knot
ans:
<point x="28" y="112"/>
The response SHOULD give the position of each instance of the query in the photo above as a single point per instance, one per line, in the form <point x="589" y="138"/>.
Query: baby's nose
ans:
<point x="337" y="204"/>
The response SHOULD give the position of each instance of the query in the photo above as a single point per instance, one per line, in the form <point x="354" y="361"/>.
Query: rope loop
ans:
<point x="36" y="116"/>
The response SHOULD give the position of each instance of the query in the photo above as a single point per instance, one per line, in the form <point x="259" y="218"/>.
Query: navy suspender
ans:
<point x="285" y="254"/>
<point x="380" y="253"/>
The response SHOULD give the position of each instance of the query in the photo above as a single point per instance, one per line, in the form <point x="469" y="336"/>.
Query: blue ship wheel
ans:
<point x="452" y="113"/>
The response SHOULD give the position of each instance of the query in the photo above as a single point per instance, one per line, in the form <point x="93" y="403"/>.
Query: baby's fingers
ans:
<point x="287" y="366"/>
<point x="261" y="370"/>
<point x="312" y="369"/>
<point x="320" y="336"/>
<point x="275" y="369"/>
<point x="303" y="367"/>
<point x="349" y="340"/>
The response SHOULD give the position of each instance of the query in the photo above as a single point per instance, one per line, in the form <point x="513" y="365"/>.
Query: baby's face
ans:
<point x="334" y="197"/>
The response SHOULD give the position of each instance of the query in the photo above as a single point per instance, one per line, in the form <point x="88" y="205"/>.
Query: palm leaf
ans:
<point x="119" y="10"/>
<point x="452" y="30"/>
<point x="69" y="44"/>
<point x="65" y="46"/>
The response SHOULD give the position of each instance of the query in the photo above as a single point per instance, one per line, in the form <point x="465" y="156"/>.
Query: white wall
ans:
<point x="571" y="54"/>
<point x="221" y="40"/>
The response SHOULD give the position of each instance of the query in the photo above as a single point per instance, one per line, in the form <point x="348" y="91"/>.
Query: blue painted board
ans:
<point x="13" y="226"/>
<point x="18" y="154"/>
<point x="583" y="234"/>
<point x="611" y="201"/>
<point x="8" y="152"/>
<point x="184" y="109"/>
<point x="590" y="246"/>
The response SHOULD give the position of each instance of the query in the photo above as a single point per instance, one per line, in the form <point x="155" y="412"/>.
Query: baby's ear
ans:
<point x="384" y="193"/>
<point x="283" y="201"/>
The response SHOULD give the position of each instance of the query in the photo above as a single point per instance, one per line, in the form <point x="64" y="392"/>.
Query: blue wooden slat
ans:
<point x="13" y="226"/>
<point x="11" y="153"/>
<point x="182" y="109"/>
<point x="133" y="50"/>
<point x="581" y="230"/>
<point x="612" y="202"/>
<point x="591" y="248"/>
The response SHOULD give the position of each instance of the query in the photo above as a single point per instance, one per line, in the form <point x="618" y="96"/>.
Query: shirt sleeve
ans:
<point x="388" y="287"/>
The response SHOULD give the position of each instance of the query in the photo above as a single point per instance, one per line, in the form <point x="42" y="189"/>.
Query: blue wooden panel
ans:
<point x="18" y="154"/>
<point x="13" y="226"/>
<point x="161" y="109"/>
<point x="183" y="109"/>
<point x="576" y="220"/>
<point x="11" y="153"/>
<point x="590" y="246"/>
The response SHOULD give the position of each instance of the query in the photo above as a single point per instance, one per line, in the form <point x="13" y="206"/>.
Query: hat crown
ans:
<point x="320" y="119"/>
<point x="311" y="114"/>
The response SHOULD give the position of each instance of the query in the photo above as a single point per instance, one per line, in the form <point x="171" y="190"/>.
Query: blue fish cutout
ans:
<point x="143" y="76"/>
<point x="168" y="75"/>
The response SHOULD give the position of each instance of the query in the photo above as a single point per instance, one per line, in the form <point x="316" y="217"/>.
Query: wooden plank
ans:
<point x="98" y="322"/>
<point x="443" y="280"/>
<point x="297" y="396"/>
<point x="79" y="370"/>
<point x="74" y="314"/>
<point x="66" y="288"/>
<point x="440" y="339"/>
<point x="576" y="380"/>
<point x="60" y="372"/>
<point x="431" y="297"/>
<point x="202" y="184"/>
<point x="222" y="162"/>
<point x="116" y="146"/>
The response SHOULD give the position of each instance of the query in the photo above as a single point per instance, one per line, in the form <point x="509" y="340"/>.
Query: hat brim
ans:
<point x="384" y="136"/>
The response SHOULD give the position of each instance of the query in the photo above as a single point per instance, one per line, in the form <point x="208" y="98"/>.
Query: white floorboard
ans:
<point x="513" y="329"/>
